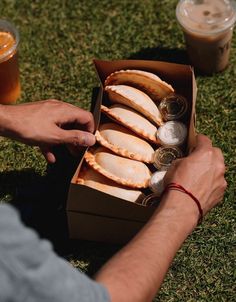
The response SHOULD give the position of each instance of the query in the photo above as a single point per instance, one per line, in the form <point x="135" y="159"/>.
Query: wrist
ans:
<point x="179" y="207"/>
<point x="8" y="122"/>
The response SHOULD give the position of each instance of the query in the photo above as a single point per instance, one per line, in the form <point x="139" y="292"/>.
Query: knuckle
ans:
<point x="224" y="185"/>
<point x="210" y="152"/>
<point x="217" y="149"/>
<point x="51" y="102"/>
<point x="207" y="155"/>
<point x="78" y="140"/>
<point x="54" y="102"/>
<point x="90" y="115"/>
<point x="57" y="139"/>
<point x="218" y="153"/>
<point x="222" y="167"/>
<point x="75" y="141"/>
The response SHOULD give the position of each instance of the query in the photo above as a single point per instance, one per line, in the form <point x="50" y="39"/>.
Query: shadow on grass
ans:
<point x="173" y="55"/>
<point x="41" y="201"/>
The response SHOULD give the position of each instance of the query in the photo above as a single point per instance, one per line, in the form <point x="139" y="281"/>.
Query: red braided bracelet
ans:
<point x="176" y="186"/>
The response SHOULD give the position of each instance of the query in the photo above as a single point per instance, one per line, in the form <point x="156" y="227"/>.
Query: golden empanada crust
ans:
<point x="122" y="170"/>
<point x="135" y="99"/>
<point x="150" y="83"/>
<point x="124" y="142"/>
<point x="89" y="177"/>
<point x="132" y="120"/>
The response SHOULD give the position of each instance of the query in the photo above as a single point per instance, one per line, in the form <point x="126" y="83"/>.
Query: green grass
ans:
<point x="59" y="40"/>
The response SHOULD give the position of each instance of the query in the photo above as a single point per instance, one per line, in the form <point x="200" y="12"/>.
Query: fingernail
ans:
<point x="88" y="139"/>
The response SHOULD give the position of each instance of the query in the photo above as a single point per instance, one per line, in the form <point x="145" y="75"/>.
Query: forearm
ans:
<point x="137" y="271"/>
<point x="9" y="121"/>
<point x="4" y="120"/>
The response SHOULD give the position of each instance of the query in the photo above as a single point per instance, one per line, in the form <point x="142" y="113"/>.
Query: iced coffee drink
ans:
<point x="208" y="28"/>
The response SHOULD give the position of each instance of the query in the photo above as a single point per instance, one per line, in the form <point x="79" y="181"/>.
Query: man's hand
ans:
<point x="202" y="173"/>
<point x="47" y="124"/>
<point x="128" y="278"/>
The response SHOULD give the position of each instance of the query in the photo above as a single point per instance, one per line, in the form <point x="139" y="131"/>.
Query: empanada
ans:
<point x="135" y="99"/>
<point x="124" y="142"/>
<point x="124" y="171"/>
<point x="150" y="83"/>
<point x="132" y="120"/>
<point x="89" y="177"/>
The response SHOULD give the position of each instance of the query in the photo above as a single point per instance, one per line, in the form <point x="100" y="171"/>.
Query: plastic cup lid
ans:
<point x="206" y="16"/>
<point x="172" y="133"/>
<point x="151" y="200"/>
<point x="173" y="107"/>
<point x="9" y="39"/>
<point x="164" y="156"/>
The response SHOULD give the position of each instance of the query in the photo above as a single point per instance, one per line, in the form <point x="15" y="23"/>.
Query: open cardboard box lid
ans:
<point x="88" y="201"/>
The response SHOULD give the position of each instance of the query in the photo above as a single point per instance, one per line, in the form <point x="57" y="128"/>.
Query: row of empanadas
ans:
<point x="134" y="95"/>
<point x="130" y="90"/>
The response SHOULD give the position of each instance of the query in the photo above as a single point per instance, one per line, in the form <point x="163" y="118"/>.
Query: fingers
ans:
<point x="219" y="159"/>
<point x="49" y="156"/>
<point x="86" y="119"/>
<point x="65" y="113"/>
<point x="81" y="117"/>
<point x="76" y="138"/>
<point x="202" y="142"/>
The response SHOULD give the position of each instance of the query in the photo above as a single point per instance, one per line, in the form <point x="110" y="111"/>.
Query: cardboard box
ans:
<point x="94" y="215"/>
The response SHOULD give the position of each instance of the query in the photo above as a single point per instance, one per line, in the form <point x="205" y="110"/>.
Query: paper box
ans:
<point x="94" y="215"/>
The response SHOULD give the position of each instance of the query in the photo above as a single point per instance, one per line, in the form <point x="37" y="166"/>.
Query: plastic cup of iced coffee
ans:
<point x="9" y="70"/>
<point x="208" y="28"/>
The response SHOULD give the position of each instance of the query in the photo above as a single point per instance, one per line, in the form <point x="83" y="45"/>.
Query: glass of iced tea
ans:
<point x="9" y="70"/>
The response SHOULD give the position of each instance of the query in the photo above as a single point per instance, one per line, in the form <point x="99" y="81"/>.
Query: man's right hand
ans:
<point x="202" y="173"/>
<point x="46" y="124"/>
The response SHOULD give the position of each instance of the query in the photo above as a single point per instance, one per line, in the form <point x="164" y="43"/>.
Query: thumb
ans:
<point x="49" y="156"/>
<point x="77" y="138"/>
<point x="203" y="142"/>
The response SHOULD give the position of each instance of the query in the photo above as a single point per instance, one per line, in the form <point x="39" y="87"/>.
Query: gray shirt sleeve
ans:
<point x="31" y="272"/>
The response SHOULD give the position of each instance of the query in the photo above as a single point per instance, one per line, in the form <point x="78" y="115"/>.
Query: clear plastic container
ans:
<point x="9" y="70"/>
<point x="208" y="28"/>
<point x="173" y="107"/>
<point x="172" y="133"/>
<point x="164" y="156"/>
